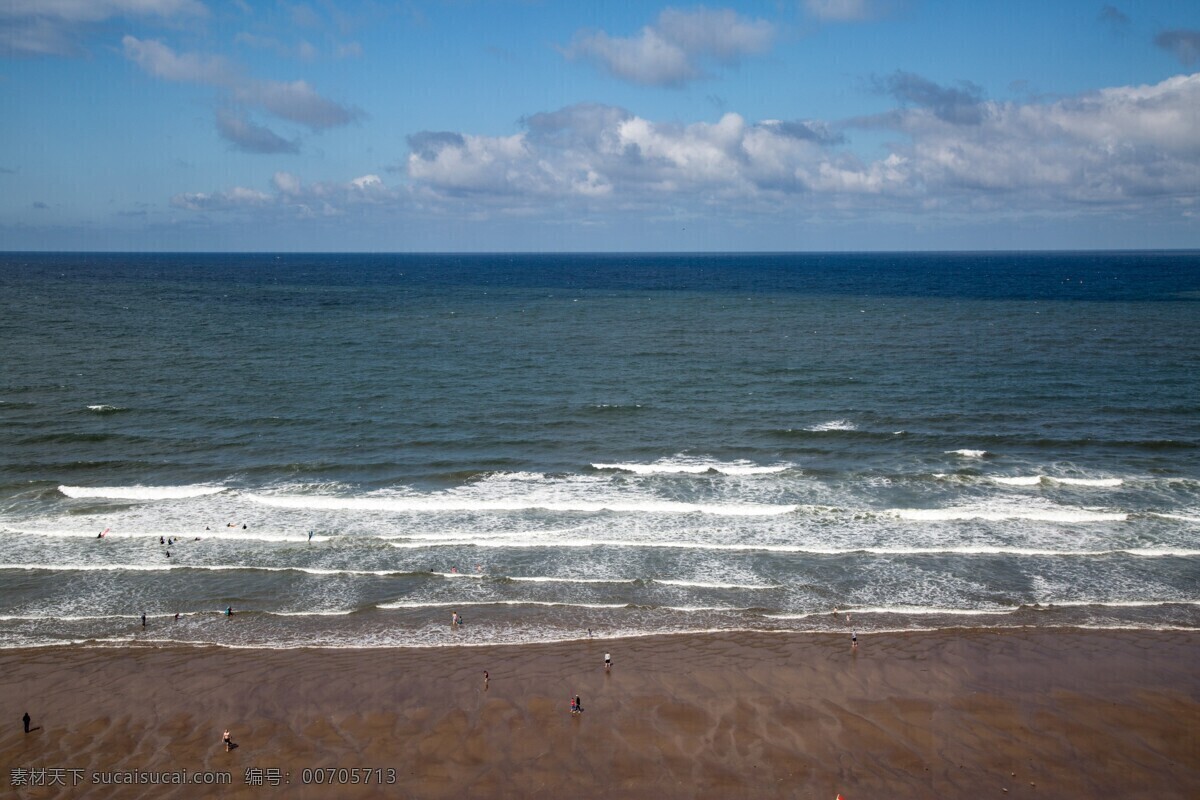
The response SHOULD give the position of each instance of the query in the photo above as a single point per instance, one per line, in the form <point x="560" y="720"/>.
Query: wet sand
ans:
<point x="1063" y="714"/>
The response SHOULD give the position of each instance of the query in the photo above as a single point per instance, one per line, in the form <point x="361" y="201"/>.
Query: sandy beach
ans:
<point x="1064" y="714"/>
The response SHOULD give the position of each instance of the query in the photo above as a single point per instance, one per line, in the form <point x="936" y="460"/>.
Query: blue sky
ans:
<point x="465" y="125"/>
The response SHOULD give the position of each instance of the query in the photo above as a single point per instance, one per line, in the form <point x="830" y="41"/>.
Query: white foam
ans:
<point x="1024" y="480"/>
<point x="1046" y="605"/>
<point x="140" y="492"/>
<point x="702" y="585"/>
<point x="1177" y="517"/>
<point x="211" y="568"/>
<point x="439" y="604"/>
<point x="835" y="425"/>
<point x="967" y="550"/>
<point x="541" y="579"/>
<point x="968" y="453"/>
<point x="924" y="611"/>
<point x="1036" y="480"/>
<point x="104" y="408"/>
<point x="1062" y="515"/>
<point x="456" y="503"/>
<point x="187" y="537"/>
<point x="694" y="467"/>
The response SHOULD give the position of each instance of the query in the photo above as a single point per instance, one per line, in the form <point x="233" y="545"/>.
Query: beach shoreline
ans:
<point x="955" y="713"/>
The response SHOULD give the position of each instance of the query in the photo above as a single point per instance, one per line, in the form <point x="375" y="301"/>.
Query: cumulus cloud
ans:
<point x="1128" y="147"/>
<point x="55" y="27"/>
<point x="674" y="50"/>
<point x="293" y="199"/>
<point x="590" y="150"/>
<point x="251" y="138"/>
<point x="1185" y="44"/>
<point x="1116" y="146"/>
<point x="1124" y="150"/>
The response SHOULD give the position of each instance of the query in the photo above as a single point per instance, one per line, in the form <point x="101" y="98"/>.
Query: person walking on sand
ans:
<point x="578" y="705"/>
<point x="26" y="720"/>
<point x="228" y="740"/>
<point x="486" y="678"/>
<point x="607" y="662"/>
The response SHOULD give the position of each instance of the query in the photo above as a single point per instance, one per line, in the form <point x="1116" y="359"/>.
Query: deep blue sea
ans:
<point x="346" y="449"/>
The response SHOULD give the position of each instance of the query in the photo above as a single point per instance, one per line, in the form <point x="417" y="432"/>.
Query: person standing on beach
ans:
<point x="607" y="662"/>
<point x="853" y="639"/>
<point x="486" y="678"/>
<point x="143" y="620"/>
<point x="26" y="720"/>
<point x="228" y="740"/>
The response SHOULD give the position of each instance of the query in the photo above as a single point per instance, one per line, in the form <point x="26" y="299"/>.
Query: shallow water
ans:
<point x="631" y="444"/>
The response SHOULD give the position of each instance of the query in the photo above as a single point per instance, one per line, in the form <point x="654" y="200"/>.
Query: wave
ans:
<point x="451" y="503"/>
<point x="466" y="603"/>
<point x="930" y="611"/>
<point x="703" y="585"/>
<point x="541" y="579"/>
<point x="100" y="408"/>
<point x="965" y="550"/>
<point x="833" y="425"/>
<point x="1109" y="604"/>
<point x="221" y="568"/>
<point x="140" y="492"/>
<point x="1176" y="517"/>
<point x="694" y="468"/>
<point x="969" y="453"/>
<point x="1036" y="480"/>
<point x="186" y="537"/>
<point x="1061" y="515"/>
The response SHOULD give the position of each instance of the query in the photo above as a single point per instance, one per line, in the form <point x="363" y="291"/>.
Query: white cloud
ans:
<point x="97" y="10"/>
<point x="841" y="10"/>
<point x="156" y="59"/>
<point x="235" y="198"/>
<point x="295" y="101"/>
<point x="672" y="51"/>
<point x="1131" y="146"/>
<point x="55" y="27"/>
<point x="293" y="199"/>
<point x="1123" y="151"/>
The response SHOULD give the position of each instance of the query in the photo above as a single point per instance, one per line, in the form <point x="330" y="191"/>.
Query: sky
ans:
<point x="517" y="125"/>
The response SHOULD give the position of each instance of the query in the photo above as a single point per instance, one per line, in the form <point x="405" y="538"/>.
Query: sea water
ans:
<point x="347" y="449"/>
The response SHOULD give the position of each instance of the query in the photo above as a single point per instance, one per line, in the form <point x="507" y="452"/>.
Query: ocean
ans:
<point x="347" y="449"/>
